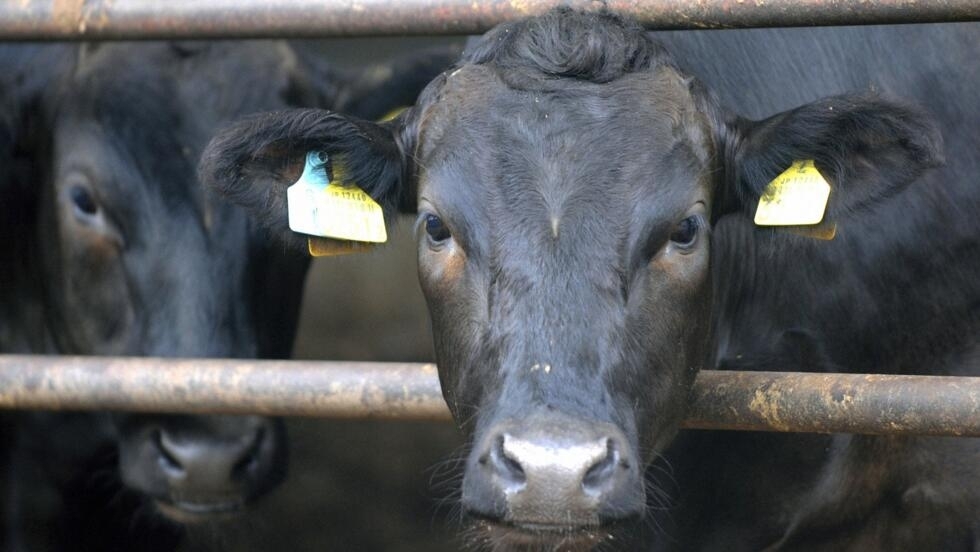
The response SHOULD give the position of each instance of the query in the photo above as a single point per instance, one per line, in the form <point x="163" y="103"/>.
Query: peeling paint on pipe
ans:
<point x="153" y="19"/>
<point x="756" y="401"/>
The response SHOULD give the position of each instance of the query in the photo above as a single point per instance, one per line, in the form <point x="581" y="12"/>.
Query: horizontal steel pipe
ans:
<point x="222" y="386"/>
<point x="758" y="401"/>
<point x="874" y="404"/>
<point x="145" y="19"/>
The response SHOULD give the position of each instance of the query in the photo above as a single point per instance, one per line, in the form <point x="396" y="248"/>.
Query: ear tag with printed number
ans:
<point x="796" y="197"/>
<point x="336" y="214"/>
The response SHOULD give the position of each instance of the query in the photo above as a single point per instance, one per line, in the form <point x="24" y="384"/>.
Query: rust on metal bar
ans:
<point x="757" y="401"/>
<point x="146" y="19"/>
<point x="837" y="403"/>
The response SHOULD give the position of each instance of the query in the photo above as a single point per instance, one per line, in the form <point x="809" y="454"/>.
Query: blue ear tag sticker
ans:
<point x="326" y="208"/>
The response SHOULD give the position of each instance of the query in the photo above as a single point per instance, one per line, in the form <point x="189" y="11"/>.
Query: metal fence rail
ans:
<point x="144" y="19"/>
<point x="760" y="401"/>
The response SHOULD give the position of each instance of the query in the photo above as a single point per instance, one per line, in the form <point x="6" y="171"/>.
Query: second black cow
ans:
<point x="110" y="246"/>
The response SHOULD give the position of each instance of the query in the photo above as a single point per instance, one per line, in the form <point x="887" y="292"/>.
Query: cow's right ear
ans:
<point x="253" y="161"/>
<point x="865" y="147"/>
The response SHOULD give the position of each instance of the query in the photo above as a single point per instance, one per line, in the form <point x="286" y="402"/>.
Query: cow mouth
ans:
<point x="511" y="535"/>
<point x="184" y="511"/>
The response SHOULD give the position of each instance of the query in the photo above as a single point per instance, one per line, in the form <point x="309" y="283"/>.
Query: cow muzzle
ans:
<point x="552" y="476"/>
<point x="195" y="474"/>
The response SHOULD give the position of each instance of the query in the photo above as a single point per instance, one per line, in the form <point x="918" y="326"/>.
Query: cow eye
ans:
<point x="83" y="201"/>
<point x="436" y="229"/>
<point x="685" y="234"/>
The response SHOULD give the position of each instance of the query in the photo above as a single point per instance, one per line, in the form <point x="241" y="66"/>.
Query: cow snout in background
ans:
<point x="202" y="466"/>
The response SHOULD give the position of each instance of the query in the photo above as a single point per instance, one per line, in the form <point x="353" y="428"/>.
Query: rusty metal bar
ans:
<point x="225" y="386"/>
<point x="145" y="19"/>
<point x="837" y="403"/>
<point x="758" y="401"/>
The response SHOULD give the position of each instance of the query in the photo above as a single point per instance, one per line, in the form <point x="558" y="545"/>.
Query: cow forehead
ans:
<point x="584" y="157"/>
<point x="121" y="120"/>
<point x="130" y="160"/>
<point x="652" y="98"/>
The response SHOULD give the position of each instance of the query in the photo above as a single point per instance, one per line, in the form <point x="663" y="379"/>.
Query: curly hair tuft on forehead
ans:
<point x="596" y="47"/>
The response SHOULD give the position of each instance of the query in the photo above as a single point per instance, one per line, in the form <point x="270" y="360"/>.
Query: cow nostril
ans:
<point x="249" y="462"/>
<point x="604" y="470"/>
<point x="505" y="465"/>
<point x="165" y="457"/>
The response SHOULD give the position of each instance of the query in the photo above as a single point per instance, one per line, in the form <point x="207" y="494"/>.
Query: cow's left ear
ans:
<point x="865" y="147"/>
<point x="254" y="161"/>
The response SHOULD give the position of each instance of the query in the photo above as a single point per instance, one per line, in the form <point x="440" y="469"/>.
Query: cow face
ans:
<point x="132" y="234"/>
<point x="566" y="176"/>
<point x="565" y="262"/>
<point x="135" y="258"/>
<point x="126" y="254"/>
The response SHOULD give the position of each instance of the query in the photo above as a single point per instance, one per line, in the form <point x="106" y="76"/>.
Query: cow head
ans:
<point x="566" y="177"/>
<point x="130" y="256"/>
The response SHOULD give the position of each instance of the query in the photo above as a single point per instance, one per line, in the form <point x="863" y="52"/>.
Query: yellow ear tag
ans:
<point x="327" y="247"/>
<point x="796" y="197"/>
<point x="319" y="206"/>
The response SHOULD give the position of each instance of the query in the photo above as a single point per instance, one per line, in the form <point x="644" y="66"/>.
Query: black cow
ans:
<point x="111" y="247"/>
<point x="585" y="247"/>
<point x="895" y="292"/>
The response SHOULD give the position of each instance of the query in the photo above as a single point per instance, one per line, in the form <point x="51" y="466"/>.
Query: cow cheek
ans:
<point x="678" y="309"/>
<point x="98" y="313"/>
<point x="442" y="278"/>
<point x="440" y="270"/>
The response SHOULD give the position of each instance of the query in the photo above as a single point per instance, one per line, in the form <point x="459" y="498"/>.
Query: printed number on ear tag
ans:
<point x="796" y="197"/>
<point x="321" y="206"/>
